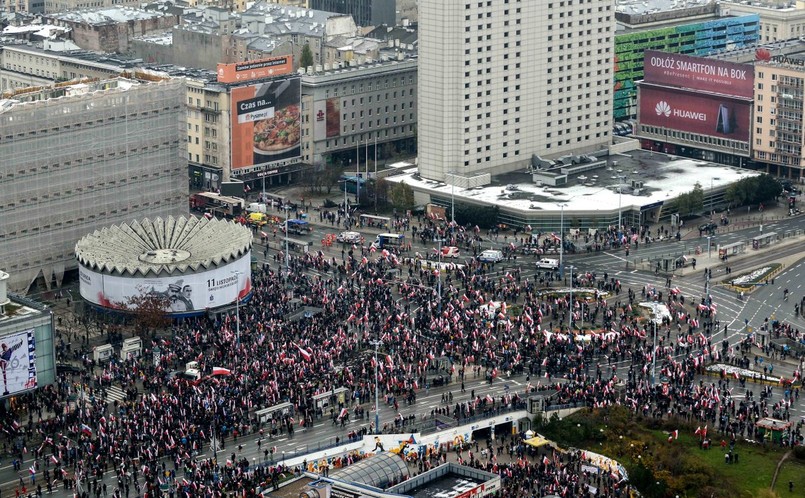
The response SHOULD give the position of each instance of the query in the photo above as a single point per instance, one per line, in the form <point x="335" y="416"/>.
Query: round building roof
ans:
<point x="154" y="247"/>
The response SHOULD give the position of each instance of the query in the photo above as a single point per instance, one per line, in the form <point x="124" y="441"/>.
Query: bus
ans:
<point x="351" y="183"/>
<point x="389" y="240"/>
<point x="216" y="204"/>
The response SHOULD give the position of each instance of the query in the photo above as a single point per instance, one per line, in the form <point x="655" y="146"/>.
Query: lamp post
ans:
<point x="376" y="343"/>
<point x="561" y="239"/>
<point x="570" y="303"/>
<point x="237" y="303"/>
<point x="439" y="275"/>
<point x="287" y="229"/>
<point x="620" y="194"/>
<point x="654" y="354"/>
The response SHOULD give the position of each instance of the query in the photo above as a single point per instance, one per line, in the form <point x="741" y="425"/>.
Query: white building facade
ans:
<point x="500" y="80"/>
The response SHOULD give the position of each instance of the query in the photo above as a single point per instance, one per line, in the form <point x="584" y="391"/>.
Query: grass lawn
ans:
<point x="752" y="473"/>
<point x="792" y="470"/>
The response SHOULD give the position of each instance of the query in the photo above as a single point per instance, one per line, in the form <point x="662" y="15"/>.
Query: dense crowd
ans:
<point x="489" y="321"/>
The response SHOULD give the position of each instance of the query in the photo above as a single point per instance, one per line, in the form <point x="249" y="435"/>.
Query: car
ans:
<point x="548" y="264"/>
<point x="447" y="251"/>
<point x="490" y="256"/>
<point x="706" y="227"/>
<point x="349" y="237"/>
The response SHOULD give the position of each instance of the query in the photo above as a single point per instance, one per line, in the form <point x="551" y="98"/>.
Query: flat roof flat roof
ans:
<point x="664" y="178"/>
<point x="447" y="486"/>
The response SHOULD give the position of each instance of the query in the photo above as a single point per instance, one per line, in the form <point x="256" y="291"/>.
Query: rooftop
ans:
<point x="664" y="178"/>
<point x="107" y="15"/>
<point x="653" y="6"/>
<point x="152" y="247"/>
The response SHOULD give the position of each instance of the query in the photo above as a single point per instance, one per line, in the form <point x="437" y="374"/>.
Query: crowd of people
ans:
<point x="488" y="322"/>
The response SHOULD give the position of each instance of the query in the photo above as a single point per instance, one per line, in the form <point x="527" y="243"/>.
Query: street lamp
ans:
<point x="439" y="276"/>
<point x="376" y="343"/>
<point x="570" y="303"/>
<point x="561" y="239"/>
<point x="620" y="194"/>
<point x="654" y="354"/>
<point x="287" y="229"/>
<point x="237" y="302"/>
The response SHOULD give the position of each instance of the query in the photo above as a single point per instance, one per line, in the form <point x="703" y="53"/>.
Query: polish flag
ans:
<point x="304" y="352"/>
<point x="54" y="459"/>
<point x="546" y="460"/>
<point x="343" y="413"/>
<point x="221" y="371"/>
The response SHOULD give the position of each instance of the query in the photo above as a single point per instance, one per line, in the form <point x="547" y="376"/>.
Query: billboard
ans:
<point x="18" y="362"/>
<point x="254" y="70"/>
<point x="693" y="112"/>
<point x="266" y="123"/>
<point x="699" y="73"/>
<point x="191" y="293"/>
<point x="327" y="121"/>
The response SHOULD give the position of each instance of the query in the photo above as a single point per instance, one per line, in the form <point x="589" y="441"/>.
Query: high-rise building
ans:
<point x="365" y="12"/>
<point x="500" y="80"/>
<point x="77" y="158"/>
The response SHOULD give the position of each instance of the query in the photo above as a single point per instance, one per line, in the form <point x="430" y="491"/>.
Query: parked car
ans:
<point x="67" y="368"/>
<point x="349" y="237"/>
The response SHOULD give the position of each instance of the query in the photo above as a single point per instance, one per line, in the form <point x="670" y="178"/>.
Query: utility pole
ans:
<point x="570" y="303"/>
<point x="376" y="343"/>
<point x="562" y="240"/>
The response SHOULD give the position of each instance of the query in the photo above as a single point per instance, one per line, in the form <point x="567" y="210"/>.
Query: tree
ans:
<point x="149" y="310"/>
<point x="306" y="59"/>
<point x="402" y="196"/>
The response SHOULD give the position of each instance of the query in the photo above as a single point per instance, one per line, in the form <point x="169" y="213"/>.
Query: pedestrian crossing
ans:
<point x="115" y="393"/>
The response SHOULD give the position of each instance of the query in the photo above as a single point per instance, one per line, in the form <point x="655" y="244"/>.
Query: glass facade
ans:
<point x="697" y="38"/>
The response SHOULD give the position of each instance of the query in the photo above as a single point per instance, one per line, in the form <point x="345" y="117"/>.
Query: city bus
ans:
<point x="217" y="204"/>
<point x="351" y="183"/>
<point x="370" y="220"/>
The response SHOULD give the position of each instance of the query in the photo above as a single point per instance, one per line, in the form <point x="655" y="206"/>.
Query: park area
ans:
<point x="661" y="463"/>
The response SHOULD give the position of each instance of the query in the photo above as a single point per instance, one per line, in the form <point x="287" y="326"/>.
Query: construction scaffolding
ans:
<point x="104" y="153"/>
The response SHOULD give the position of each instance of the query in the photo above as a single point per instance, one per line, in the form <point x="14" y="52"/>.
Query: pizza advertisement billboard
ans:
<point x="266" y="124"/>
<point x="699" y="73"/>
<point x="711" y="115"/>
<point x="240" y="72"/>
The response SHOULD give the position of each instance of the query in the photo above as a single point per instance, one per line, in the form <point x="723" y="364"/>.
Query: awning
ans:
<point x="536" y="441"/>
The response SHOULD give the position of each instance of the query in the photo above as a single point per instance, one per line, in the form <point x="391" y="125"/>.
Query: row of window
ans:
<point x="388" y="82"/>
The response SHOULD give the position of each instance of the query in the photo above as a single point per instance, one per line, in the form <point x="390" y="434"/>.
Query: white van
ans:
<point x="349" y="237"/>
<point x="548" y="264"/>
<point x="490" y="256"/>
<point x="256" y="207"/>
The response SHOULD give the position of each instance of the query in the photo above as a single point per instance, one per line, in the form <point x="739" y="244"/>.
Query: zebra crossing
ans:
<point x="115" y="393"/>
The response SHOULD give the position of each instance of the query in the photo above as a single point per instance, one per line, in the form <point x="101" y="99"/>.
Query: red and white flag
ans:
<point x="221" y="371"/>
<point x="304" y="352"/>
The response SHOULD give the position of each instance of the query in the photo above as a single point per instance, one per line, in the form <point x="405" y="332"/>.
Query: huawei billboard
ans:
<point x="703" y="114"/>
<point x="699" y="73"/>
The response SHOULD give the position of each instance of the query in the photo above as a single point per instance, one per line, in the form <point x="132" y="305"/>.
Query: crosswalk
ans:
<point x="115" y="393"/>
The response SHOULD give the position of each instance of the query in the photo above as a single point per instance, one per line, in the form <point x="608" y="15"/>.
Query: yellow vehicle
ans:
<point x="258" y="219"/>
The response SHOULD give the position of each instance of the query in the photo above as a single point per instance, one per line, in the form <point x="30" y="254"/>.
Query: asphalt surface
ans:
<point x="739" y="316"/>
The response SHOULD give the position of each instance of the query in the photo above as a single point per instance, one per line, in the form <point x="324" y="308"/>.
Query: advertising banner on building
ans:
<point x="190" y="293"/>
<point x="693" y="112"/>
<point x="327" y="114"/>
<point x="333" y="117"/>
<point x="266" y="123"/>
<point x="699" y="73"/>
<point x="18" y="362"/>
<point x="254" y="70"/>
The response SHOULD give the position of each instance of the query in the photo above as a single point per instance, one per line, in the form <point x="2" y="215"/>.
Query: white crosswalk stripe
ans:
<point x="115" y="393"/>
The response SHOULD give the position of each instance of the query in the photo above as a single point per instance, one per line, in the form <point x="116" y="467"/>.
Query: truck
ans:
<point x="298" y="227"/>
<point x="384" y="240"/>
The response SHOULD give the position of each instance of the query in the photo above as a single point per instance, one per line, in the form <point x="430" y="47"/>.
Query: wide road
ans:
<point x="739" y="317"/>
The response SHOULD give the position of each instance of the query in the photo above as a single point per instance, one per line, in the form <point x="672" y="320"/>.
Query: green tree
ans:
<point x="306" y="58"/>
<point x="767" y="188"/>
<point x="402" y="196"/>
